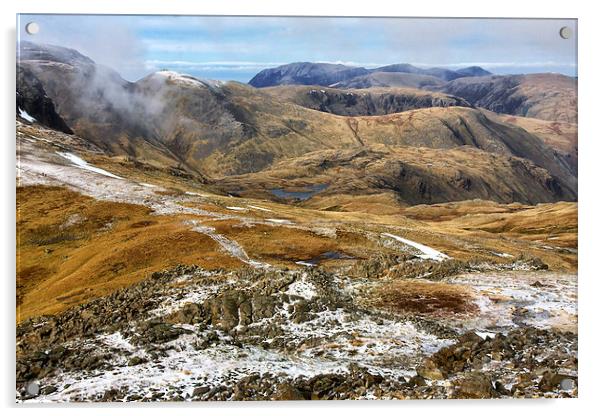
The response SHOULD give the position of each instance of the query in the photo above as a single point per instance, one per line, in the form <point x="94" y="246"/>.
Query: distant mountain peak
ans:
<point x="329" y="74"/>
<point x="186" y="80"/>
<point x="306" y="73"/>
<point x="474" y="71"/>
<point x="46" y="52"/>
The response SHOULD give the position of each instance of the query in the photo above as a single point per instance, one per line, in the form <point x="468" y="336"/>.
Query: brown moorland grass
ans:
<point x="279" y="245"/>
<point x="535" y="223"/>
<point x="72" y="248"/>
<point x="425" y="298"/>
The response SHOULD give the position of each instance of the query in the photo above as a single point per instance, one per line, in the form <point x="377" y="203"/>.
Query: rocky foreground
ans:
<point x="190" y="334"/>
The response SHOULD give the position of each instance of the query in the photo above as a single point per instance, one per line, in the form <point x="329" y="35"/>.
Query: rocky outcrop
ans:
<point x="534" y="357"/>
<point x="299" y="314"/>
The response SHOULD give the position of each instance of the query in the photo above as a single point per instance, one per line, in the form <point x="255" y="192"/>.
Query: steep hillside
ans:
<point x="357" y="180"/>
<point x="391" y="79"/>
<point x="545" y="96"/>
<point x="34" y="104"/>
<point x="375" y="101"/>
<point x="562" y="137"/>
<point x="96" y="102"/>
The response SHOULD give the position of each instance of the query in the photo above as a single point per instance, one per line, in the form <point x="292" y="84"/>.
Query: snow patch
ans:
<point x="428" y="253"/>
<point x="230" y="246"/>
<point x="280" y="221"/>
<point x="241" y="209"/>
<point x="302" y="288"/>
<point x="259" y="208"/>
<point x="189" y="80"/>
<point x="510" y="299"/>
<point x="25" y="115"/>
<point x="485" y="335"/>
<point x="81" y="163"/>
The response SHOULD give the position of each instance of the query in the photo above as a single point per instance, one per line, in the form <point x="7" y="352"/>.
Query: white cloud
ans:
<point x="133" y="44"/>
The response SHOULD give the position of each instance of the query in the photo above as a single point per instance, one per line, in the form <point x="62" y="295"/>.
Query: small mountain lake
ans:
<point x="328" y="255"/>
<point x="302" y="195"/>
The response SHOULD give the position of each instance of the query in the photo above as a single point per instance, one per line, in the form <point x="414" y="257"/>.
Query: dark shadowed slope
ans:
<point x="544" y="96"/>
<point x="381" y="176"/>
<point x="440" y="73"/>
<point x="391" y="79"/>
<point x="375" y="101"/>
<point x="32" y="102"/>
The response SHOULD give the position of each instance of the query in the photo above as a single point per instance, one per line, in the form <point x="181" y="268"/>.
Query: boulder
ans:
<point x="286" y="391"/>
<point x="429" y="370"/>
<point x="475" y="385"/>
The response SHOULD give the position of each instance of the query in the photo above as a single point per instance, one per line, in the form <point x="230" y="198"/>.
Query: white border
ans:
<point x="590" y="140"/>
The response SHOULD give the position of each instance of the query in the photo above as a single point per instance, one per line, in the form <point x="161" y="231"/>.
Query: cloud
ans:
<point x="107" y="41"/>
<point x="136" y="44"/>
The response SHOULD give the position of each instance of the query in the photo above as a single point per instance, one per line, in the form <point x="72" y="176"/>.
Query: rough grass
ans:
<point x="47" y="235"/>
<point x="61" y="263"/>
<point x="283" y="245"/>
<point x="427" y="298"/>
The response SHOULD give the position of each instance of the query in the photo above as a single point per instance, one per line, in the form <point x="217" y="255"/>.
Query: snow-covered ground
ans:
<point x="279" y="221"/>
<point x="259" y="208"/>
<point x="188" y="80"/>
<point x="328" y="343"/>
<point x="228" y="245"/>
<point x="305" y="263"/>
<point x="302" y="288"/>
<point x="322" y="345"/>
<point x="511" y="299"/>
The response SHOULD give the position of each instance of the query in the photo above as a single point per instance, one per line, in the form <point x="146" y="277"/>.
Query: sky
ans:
<point x="236" y="48"/>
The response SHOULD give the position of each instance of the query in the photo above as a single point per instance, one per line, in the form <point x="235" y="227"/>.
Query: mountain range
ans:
<point x="309" y="73"/>
<point x="409" y="145"/>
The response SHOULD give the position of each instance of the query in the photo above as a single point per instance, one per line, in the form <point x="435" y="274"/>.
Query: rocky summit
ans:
<point x="277" y="335"/>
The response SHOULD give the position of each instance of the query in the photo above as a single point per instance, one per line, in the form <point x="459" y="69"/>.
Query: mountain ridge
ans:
<point x="216" y="130"/>
<point x="326" y="74"/>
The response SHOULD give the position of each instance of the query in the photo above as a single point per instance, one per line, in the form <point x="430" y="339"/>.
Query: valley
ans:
<point x="306" y="236"/>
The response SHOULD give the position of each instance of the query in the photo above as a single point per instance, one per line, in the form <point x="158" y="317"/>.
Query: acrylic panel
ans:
<point x="295" y="208"/>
